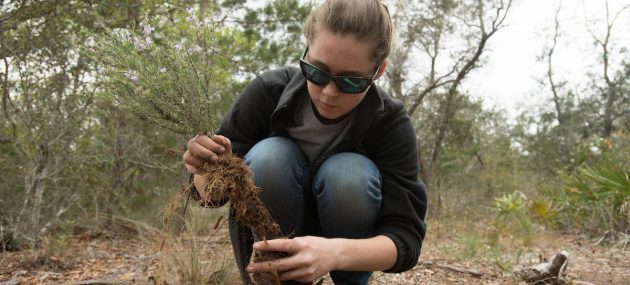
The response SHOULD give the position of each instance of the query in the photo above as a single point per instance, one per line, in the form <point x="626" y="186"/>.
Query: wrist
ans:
<point x="342" y="253"/>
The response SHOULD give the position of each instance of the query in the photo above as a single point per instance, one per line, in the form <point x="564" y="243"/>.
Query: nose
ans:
<point x="330" y="89"/>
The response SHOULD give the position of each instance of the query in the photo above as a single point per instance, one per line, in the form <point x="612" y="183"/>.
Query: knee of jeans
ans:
<point x="272" y="153"/>
<point x="348" y="178"/>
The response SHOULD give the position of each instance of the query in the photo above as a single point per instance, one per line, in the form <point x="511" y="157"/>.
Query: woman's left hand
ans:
<point x="310" y="257"/>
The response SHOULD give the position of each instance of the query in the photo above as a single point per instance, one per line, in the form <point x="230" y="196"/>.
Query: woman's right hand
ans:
<point x="203" y="149"/>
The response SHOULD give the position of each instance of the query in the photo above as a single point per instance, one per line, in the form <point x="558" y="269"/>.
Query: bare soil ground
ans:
<point x="111" y="259"/>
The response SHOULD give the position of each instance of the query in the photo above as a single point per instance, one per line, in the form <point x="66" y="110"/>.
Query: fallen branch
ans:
<point x="546" y="272"/>
<point x="578" y="282"/>
<point x="97" y="282"/>
<point x="457" y="269"/>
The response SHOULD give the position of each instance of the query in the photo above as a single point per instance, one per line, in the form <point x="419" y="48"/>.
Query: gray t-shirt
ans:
<point x="316" y="138"/>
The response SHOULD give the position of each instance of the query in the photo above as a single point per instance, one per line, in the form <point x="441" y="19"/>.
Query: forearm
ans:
<point x="371" y="254"/>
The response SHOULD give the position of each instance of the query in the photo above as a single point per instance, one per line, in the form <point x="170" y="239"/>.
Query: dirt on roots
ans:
<point x="230" y="178"/>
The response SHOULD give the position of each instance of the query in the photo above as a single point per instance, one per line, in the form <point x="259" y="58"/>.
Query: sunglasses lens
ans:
<point x="351" y="84"/>
<point x="314" y="75"/>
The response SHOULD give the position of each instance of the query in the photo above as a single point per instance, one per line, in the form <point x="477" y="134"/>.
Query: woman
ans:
<point x="335" y="156"/>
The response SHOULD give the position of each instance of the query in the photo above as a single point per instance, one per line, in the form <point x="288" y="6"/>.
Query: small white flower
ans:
<point x="162" y="69"/>
<point x="131" y="75"/>
<point x="178" y="46"/>
<point x="128" y="73"/>
<point x="139" y="44"/>
<point x="148" y="41"/>
<point x="148" y="30"/>
<point x="594" y="149"/>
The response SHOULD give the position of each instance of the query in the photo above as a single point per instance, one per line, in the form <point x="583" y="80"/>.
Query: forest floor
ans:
<point x="99" y="258"/>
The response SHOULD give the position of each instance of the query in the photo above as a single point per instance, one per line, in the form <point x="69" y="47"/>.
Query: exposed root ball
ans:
<point x="229" y="177"/>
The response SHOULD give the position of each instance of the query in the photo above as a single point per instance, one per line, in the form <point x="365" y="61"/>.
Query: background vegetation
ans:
<point x="71" y="160"/>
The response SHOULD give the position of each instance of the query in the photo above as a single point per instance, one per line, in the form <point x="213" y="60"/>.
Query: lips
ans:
<point x="327" y="106"/>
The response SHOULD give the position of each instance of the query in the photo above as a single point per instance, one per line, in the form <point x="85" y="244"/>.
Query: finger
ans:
<point x="283" y="245"/>
<point x="223" y="141"/>
<point x="193" y="161"/>
<point x="279" y="265"/>
<point x="201" y="152"/>
<point x="191" y="169"/>
<point x="213" y="144"/>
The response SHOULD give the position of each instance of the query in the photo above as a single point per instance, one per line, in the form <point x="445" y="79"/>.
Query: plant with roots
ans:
<point x="177" y="85"/>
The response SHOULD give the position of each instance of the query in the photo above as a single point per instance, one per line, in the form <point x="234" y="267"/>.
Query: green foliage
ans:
<point x="471" y="245"/>
<point x="597" y="194"/>
<point x="513" y="215"/>
<point x="66" y="153"/>
<point x="276" y="28"/>
<point x="176" y="83"/>
<point x="511" y="205"/>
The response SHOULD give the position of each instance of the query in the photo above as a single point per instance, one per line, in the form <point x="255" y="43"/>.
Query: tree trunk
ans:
<point x="34" y="193"/>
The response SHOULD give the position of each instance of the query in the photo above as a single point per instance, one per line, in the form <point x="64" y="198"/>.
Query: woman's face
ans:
<point x="338" y="55"/>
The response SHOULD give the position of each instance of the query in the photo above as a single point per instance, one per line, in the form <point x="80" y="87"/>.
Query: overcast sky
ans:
<point x="509" y="79"/>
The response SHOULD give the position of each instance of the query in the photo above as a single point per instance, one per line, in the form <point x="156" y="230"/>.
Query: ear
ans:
<point x="381" y="69"/>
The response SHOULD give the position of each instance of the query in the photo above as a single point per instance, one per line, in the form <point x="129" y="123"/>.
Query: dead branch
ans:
<point x="550" y="73"/>
<point x="97" y="282"/>
<point x="457" y="269"/>
<point x="546" y="272"/>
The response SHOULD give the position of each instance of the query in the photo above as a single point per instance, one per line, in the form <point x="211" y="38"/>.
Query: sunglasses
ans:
<point x="345" y="84"/>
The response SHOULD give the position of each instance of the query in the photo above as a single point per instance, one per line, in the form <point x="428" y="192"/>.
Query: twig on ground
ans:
<point x="97" y="282"/>
<point x="457" y="269"/>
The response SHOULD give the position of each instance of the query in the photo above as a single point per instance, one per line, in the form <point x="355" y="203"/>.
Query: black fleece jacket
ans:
<point x="383" y="132"/>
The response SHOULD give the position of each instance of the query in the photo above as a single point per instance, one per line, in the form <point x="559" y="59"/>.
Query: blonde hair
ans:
<point x="367" y="20"/>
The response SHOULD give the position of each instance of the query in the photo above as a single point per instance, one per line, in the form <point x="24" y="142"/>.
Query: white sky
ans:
<point x="510" y="76"/>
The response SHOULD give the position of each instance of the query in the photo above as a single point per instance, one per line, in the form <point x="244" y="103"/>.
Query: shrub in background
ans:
<point x="181" y="84"/>
<point x="597" y="194"/>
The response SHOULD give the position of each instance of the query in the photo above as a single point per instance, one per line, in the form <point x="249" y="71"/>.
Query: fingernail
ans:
<point x="214" y="158"/>
<point x="256" y="245"/>
<point x="222" y="149"/>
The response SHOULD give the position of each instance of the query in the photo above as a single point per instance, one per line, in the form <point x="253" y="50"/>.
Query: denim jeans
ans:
<point x="341" y="199"/>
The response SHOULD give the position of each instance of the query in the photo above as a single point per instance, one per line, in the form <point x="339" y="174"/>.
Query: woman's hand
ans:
<point x="202" y="149"/>
<point x="311" y="257"/>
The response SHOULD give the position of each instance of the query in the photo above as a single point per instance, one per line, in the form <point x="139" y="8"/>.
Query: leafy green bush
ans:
<point x="513" y="215"/>
<point x="597" y="194"/>
<point x="181" y="84"/>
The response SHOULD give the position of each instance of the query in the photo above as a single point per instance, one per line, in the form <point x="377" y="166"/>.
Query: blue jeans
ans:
<point x="341" y="199"/>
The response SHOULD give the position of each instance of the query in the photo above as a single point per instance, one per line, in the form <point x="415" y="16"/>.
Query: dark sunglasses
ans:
<point x="345" y="84"/>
